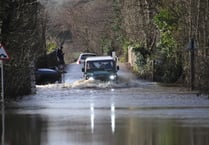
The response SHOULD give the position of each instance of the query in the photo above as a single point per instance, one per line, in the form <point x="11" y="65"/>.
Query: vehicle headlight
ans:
<point x="91" y="78"/>
<point x="112" y="77"/>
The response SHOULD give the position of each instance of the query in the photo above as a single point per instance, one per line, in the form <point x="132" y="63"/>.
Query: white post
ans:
<point x="3" y="124"/>
<point x="2" y="81"/>
<point x="114" y="56"/>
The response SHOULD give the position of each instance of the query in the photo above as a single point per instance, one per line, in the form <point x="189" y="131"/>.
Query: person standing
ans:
<point x="60" y="58"/>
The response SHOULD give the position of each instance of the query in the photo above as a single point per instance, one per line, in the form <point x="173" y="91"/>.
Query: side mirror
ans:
<point x="82" y="69"/>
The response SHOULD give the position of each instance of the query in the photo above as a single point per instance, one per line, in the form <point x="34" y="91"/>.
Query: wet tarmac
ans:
<point x="129" y="112"/>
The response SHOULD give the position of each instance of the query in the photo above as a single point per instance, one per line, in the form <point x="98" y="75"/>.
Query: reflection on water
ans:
<point x="113" y="118"/>
<point x="2" y="123"/>
<point x="92" y="117"/>
<point x="21" y="130"/>
<point x="93" y="113"/>
<point x="104" y="128"/>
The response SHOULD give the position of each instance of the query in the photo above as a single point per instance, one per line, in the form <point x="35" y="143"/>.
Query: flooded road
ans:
<point x="130" y="112"/>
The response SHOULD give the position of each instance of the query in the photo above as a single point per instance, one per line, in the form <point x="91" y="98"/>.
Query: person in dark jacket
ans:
<point x="60" y="59"/>
<point x="60" y="56"/>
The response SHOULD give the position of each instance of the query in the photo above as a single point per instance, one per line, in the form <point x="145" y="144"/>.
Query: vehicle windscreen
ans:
<point x="108" y="65"/>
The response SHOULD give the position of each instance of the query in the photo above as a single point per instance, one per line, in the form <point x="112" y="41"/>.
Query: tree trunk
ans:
<point x="21" y="35"/>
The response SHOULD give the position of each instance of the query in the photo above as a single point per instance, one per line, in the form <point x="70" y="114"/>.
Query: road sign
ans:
<point x="3" y="53"/>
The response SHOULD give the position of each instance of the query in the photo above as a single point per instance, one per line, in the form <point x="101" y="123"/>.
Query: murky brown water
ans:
<point x="132" y="112"/>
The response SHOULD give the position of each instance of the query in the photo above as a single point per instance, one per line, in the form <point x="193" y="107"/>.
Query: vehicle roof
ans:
<point x="96" y="58"/>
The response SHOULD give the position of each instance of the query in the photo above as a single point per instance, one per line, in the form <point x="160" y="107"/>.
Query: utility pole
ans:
<point x="192" y="65"/>
<point x="2" y="81"/>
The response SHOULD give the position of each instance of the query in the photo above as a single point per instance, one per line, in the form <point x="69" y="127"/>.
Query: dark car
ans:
<point x="47" y="76"/>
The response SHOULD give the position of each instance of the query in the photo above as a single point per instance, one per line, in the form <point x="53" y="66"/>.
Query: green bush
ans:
<point x="169" y="66"/>
<point x="51" y="46"/>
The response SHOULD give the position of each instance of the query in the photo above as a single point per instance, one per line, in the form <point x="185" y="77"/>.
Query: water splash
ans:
<point x="96" y="84"/>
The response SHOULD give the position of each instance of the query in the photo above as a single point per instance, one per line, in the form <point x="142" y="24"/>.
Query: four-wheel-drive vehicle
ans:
<point x="102" y="68"/>
<point x="83" y="56"/>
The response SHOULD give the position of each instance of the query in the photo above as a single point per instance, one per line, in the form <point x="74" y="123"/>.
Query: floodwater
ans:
<point x="130" y="112"/>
